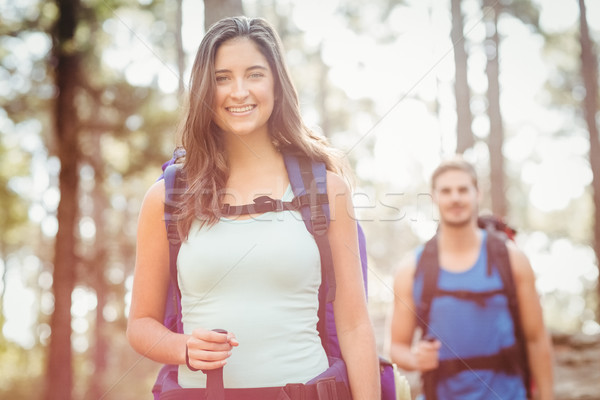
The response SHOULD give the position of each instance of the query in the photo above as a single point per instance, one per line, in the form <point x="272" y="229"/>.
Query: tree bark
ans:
<point x="464" y="133"/>
<point x="214" y="10"/>
<point x="496" y="136"/>
<point x="59" y="373"/>
<point x="589" y="72"/>
<point x="96" y="268"/>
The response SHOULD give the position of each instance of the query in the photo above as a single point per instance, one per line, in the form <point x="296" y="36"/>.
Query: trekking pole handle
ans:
<point x="214" y="380"/>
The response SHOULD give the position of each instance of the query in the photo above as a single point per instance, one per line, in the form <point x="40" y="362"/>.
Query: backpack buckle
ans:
<point x="296" y="203"/>
<point x="225" y="208"/>
<point x="326" y="389"/>
<point x="272" y="204"/>
<point x="318" y="220"/>
<point x="173" y="233"/>
<point x="278" y="205"/>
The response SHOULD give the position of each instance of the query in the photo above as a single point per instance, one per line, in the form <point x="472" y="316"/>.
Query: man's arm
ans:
<point x="424" y="355"/>
<point x="539" y="347"/>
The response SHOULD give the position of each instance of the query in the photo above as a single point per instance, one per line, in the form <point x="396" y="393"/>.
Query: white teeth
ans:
<point x="240" y="109"/>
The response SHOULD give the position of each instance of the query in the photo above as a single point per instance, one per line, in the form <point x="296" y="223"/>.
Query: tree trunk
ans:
<point x="59" y="373"/>
<point x="214" y="10"/>
<point x="589" y="72"/>
<point x="96" y="267"/>
<point x="464" y="134"/>
<point x="496" y="137"/>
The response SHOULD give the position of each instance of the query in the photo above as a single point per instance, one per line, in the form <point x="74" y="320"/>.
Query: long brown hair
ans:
<point x="206" y="165"/>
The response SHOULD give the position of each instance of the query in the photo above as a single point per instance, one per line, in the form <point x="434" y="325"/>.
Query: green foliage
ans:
<point x="565" y="85"/>
<point x="525" y="10"/>
<point x="13" y="213"/>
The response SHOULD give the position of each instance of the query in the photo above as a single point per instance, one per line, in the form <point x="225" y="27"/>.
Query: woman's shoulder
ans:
<point x="156" y="190"/>
<point x="155" y="196"/>
<point x="336" y="184"/>
<point x="151" y="217"/>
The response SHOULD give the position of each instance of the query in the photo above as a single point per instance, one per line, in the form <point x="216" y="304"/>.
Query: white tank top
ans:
<point x="258" y="278"/>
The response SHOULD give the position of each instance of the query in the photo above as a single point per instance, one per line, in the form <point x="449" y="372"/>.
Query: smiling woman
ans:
<point x="258" y="277"/>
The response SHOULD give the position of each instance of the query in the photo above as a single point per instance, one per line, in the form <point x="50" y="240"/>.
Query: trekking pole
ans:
<point x="214" y="380"/>
<point x="430" y="378"/>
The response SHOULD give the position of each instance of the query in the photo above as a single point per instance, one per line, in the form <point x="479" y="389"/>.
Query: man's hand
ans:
<point x="426" y="355"/>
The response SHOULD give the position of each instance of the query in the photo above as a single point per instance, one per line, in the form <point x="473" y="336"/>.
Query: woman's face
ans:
<point x="244" y="95"/>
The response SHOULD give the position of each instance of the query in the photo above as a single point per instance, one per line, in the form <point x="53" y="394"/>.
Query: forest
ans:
<point x="90" y="100"/>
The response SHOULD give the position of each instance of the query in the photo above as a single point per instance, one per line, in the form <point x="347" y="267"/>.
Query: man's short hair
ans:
<point x="456" y="163"/>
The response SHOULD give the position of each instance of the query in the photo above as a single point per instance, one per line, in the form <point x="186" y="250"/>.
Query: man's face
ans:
<point x="457" y="198"/>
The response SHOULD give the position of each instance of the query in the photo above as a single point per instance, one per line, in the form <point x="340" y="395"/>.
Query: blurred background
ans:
<point x="91" y="93"/>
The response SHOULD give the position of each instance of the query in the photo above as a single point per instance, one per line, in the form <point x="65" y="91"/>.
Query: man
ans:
<point x="469" y="348"/>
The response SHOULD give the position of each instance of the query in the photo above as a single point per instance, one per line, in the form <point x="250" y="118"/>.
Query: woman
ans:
<point x="256" y="276"/>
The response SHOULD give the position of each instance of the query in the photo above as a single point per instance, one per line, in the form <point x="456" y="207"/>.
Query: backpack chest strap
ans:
<point x="477" y="297"/>
<point x="264" y="204"/>
<point x="507" y="360"/>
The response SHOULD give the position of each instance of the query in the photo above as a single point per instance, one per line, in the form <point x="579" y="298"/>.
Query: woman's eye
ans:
<point x="221" y="78"/>
<point x="256" y="75"/>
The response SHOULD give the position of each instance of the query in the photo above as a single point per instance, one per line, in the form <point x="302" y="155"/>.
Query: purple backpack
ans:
<point x="309" y="185"/>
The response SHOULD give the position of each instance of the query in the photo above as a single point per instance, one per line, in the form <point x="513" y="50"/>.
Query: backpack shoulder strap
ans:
<point x="174" y="187"/>
<point x="309" y="179"/>
<point x="429" y="266"/>
<point x="498" y="256"/>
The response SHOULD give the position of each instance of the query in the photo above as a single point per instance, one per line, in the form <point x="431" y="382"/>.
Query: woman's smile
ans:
<point x="241" y="109"/>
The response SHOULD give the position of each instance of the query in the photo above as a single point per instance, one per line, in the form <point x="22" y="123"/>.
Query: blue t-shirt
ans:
<point x="468" y="329"/>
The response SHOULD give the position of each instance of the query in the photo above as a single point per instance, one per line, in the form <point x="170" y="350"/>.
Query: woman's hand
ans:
<point x="207" y="350"/>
